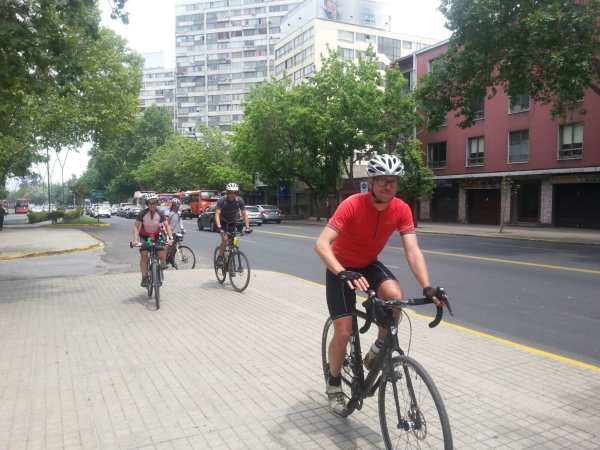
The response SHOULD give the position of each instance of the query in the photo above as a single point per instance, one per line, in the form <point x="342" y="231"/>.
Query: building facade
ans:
<point x="515" y="163"/>
<point x="223" y="49"/>
<point x="316" y="27"/>
<point x="158" y="85"/>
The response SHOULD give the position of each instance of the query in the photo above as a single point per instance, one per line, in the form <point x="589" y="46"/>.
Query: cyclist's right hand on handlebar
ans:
<point x="354" y="279"/>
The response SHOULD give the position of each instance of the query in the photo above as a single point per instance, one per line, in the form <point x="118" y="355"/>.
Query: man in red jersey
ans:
<point x="349" y="246"/>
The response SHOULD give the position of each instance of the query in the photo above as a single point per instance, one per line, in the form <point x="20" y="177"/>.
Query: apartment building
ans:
<point x="515" y="163"/>
<point x="158" y="85"/>
<point x="223" y="49"/>
<point x="315" y="27"/>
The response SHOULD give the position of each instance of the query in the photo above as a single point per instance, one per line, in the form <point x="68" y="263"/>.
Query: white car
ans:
<point x="103" y="211"/>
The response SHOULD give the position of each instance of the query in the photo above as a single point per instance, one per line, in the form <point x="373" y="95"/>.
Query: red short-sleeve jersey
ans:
<point x="363" y="231"/>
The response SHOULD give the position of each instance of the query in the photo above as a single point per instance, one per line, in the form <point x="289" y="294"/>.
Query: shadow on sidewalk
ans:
<point x="141" y="299"/>
<point x="311" y="421"/>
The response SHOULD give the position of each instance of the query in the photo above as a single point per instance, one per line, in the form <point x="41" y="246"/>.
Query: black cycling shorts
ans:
<point x="230" y="227"/>
<point x="342" y="303"/>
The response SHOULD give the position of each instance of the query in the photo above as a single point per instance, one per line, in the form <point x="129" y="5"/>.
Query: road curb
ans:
<point x="481" y="334"/>
<point x="97" y="246"/>
<point x="514" y="237"/>
<point x="81" y="225"/>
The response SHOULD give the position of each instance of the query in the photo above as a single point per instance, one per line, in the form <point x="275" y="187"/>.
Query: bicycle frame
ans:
<point x="366" y="387"/>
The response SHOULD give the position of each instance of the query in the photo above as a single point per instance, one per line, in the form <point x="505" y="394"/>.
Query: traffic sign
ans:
<point x="364" y="186"/>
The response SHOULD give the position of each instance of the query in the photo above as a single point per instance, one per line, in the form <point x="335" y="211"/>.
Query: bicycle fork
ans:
<point x="413" y="421"/>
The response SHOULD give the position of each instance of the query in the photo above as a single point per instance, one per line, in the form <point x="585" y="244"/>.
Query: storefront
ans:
<point x="576" y="204"/>
<point x="444" y="203"/>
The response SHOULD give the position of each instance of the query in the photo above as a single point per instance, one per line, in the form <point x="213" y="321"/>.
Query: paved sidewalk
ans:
<point x="549" y="234"/>
<point x="40" y="241"/>
<point x="86" y="363"/>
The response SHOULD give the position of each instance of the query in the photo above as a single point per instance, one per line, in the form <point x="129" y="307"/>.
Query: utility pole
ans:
<point x="48" y="171"/>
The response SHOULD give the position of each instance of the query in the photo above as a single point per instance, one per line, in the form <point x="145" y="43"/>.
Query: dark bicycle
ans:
<point x="180" y="256"/>
<point x="234" y="262"/>
<point x="155" y="271"/>
<point x="411" y="411"/>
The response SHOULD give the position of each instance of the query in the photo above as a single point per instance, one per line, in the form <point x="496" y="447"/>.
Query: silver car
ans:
<point x="270" y="213"/>
<point x="254" y="216"/>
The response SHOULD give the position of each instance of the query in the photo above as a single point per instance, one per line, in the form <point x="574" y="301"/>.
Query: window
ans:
<point x="518" y="146"/>
<point x="369" y="38"/>
<point x="346" y="53"/>
<point x="392" y="48"/>
<point x="475" y="151"/>
<point x="431" y="64"/>
<point x="347" y="36"/>
<point x="436" y="155"/>
<point x="407" y="45"/>
<point x="519" y="104"/>
<point x="479" y="110"/>
<point x="571" y="141"/>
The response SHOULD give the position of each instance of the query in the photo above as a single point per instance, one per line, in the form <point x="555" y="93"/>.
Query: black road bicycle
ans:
<point x="155" y="271"/>
<point x="180" y="256"/>
<point x="234" y="262"/>
<point x="411" y="411"/>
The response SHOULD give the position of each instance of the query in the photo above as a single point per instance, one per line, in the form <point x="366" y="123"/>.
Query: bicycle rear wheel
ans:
<point x="411" y="411"/>
<point x="184" y="258"/>
<point x="219" y="270"/>
<point x="239" y="270"/>
<point x="156" y="279"/>
<point x="347" y="373"/>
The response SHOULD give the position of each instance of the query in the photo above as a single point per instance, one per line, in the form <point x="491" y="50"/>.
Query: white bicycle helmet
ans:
<point x="385" y="164"/>
<point x="151" y="198"/>
<point x="232" y="187"/>
<point x="175" y="202"/>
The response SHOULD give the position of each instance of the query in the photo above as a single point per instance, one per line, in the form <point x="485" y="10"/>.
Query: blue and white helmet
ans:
<point x="385" y="164"/>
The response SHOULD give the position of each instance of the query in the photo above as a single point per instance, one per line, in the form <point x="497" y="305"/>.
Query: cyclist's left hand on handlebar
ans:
<point x="439" y="297"/>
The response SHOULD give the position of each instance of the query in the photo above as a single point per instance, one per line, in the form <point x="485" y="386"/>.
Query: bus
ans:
<point x="22" y="206"/>
<point x="200" y="200"/>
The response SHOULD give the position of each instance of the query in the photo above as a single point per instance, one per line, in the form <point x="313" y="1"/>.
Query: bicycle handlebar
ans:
<point x="373" y="301"/>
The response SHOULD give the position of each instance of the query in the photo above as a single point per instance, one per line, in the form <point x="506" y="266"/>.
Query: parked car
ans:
<point x="254" y="216"/>
<point x="270" y="213"/>
<point x="206" y="220"/>
<point x="185" y="211"/>
<point x="102" y="211"/>
<point x="114" y="209"/>
<point x="133" y="212"/>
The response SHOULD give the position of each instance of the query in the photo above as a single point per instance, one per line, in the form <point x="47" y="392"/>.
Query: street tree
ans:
<point x="65" y="79"/>
<point x="276" y="137"/>
<point x="397" y="127"/>
<point x="549" y="50"/>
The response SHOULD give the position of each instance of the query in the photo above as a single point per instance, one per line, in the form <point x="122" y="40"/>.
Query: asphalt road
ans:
<point x="536" y="293"/>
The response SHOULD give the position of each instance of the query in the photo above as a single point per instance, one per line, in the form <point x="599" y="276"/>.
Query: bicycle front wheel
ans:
<point x="346" y="371"/>
<point x="219" y="267"/>
<point x="239" y="270"/>
<point x="411" y="411"/>
<point x="184" y="258"/>
<point x="156" y="278"/>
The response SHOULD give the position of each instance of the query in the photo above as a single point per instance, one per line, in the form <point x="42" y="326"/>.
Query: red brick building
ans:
<point x="553" y="165"/>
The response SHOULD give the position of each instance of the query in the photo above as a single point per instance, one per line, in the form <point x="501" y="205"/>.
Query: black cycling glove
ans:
<point x="346" y="275"/>
<point x="429" y="292"/>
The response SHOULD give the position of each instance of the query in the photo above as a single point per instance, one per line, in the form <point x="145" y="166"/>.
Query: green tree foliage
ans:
<point x="314" y="132"/>
<point x="548" y="49"/>
<point x="399" y="122"/>
<point x="64" y="79"/>
<point x="114" y="160"/>
<point x="273" y="138"/>
<point x="185" y="164"/>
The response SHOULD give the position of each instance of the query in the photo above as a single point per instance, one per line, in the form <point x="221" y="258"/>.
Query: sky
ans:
<point x="151" y="28"/>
